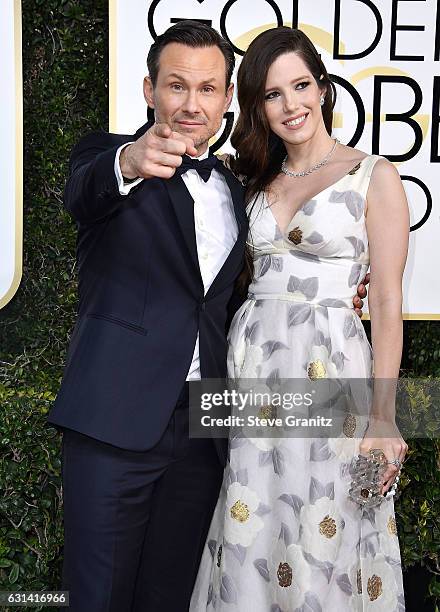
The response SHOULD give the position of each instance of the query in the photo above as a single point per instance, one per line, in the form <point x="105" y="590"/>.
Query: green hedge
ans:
<point x="65" y="72"/>
<point x="65" y="68"/>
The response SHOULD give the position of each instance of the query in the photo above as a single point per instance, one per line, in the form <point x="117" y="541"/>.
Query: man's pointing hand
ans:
<point x="155" y="154"/>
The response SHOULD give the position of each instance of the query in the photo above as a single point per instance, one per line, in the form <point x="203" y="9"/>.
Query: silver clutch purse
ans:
<point x="367" y="474"/>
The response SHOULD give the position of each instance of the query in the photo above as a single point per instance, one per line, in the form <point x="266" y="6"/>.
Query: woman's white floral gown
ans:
<point x="285" y="536"/>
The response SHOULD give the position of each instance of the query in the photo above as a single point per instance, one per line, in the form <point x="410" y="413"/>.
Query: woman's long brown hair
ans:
<point x="260" y="152"/>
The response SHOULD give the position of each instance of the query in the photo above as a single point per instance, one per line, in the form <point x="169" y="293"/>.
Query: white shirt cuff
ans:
<point x="124" y="188"/>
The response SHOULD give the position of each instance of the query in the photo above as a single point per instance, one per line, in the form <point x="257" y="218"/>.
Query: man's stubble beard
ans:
<point x="202" y="140"/>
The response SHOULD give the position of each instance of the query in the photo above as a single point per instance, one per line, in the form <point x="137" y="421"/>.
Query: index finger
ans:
<point x="162" y="130"/>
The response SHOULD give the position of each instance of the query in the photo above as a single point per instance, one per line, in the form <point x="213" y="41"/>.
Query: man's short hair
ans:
<point x="193" y="34"/>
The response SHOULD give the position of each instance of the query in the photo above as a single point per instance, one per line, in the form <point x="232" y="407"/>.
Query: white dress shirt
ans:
<point x="215" y="225"/>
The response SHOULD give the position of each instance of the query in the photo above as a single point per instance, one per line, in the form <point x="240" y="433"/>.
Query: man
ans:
<point x="157" y="261"/>
<point x="160" y="244"/>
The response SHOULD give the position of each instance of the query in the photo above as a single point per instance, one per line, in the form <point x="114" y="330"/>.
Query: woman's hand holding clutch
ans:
<point x="385" y="435"/>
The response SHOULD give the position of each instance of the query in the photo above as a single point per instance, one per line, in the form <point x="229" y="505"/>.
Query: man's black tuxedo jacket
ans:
<point x="141" y="299"/>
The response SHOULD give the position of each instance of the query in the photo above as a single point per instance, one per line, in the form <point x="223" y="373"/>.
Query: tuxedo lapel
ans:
<point x="235" y="259"/>
<point x="183" y="205"/>
<point x="237" y="194"/>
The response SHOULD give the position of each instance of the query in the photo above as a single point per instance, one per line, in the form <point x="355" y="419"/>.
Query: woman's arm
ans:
<point x="388" y="232"/>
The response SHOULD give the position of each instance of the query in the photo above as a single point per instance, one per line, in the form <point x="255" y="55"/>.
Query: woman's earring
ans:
<point x="322" y="100"/>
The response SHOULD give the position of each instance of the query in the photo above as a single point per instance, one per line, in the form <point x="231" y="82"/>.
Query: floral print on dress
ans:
<point x="288" y="536"/>
<point x="242" y="523"/>
<point x="290" y="573"/>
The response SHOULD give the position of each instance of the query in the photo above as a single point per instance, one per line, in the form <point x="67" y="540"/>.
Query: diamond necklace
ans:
<point x="309" y="170"/>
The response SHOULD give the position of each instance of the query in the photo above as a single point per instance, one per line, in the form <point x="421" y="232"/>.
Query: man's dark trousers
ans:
<point x="136" y="522"/>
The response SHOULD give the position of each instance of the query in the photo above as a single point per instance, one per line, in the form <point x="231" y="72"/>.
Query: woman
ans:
<point x="285" y="535"/>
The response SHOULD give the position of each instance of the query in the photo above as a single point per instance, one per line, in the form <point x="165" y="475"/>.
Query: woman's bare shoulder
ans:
<point x="351" y="154"/>
<point x="386" y="186"/>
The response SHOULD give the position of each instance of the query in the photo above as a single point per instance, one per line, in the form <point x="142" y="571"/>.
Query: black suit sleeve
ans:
<point x="92" y="191"/>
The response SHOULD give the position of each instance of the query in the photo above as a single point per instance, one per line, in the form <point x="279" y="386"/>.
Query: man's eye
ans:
<point x="176" y="87"/>
<point x="208" y="89"/>
<point x="271" y="95"/>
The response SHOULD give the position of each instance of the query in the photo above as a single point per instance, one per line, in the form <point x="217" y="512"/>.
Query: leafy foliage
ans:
<point x="65" y="90"/>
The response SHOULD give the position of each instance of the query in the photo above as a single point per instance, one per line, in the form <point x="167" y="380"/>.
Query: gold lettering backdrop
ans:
<point x="11" y="151"/>
<point x="383" y="58"/>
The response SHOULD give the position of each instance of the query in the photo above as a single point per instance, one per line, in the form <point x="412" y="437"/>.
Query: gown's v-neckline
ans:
<point x="331" y="186"/>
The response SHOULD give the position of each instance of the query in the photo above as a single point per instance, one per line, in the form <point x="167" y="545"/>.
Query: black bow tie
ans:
<point x="203" y="167"/>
